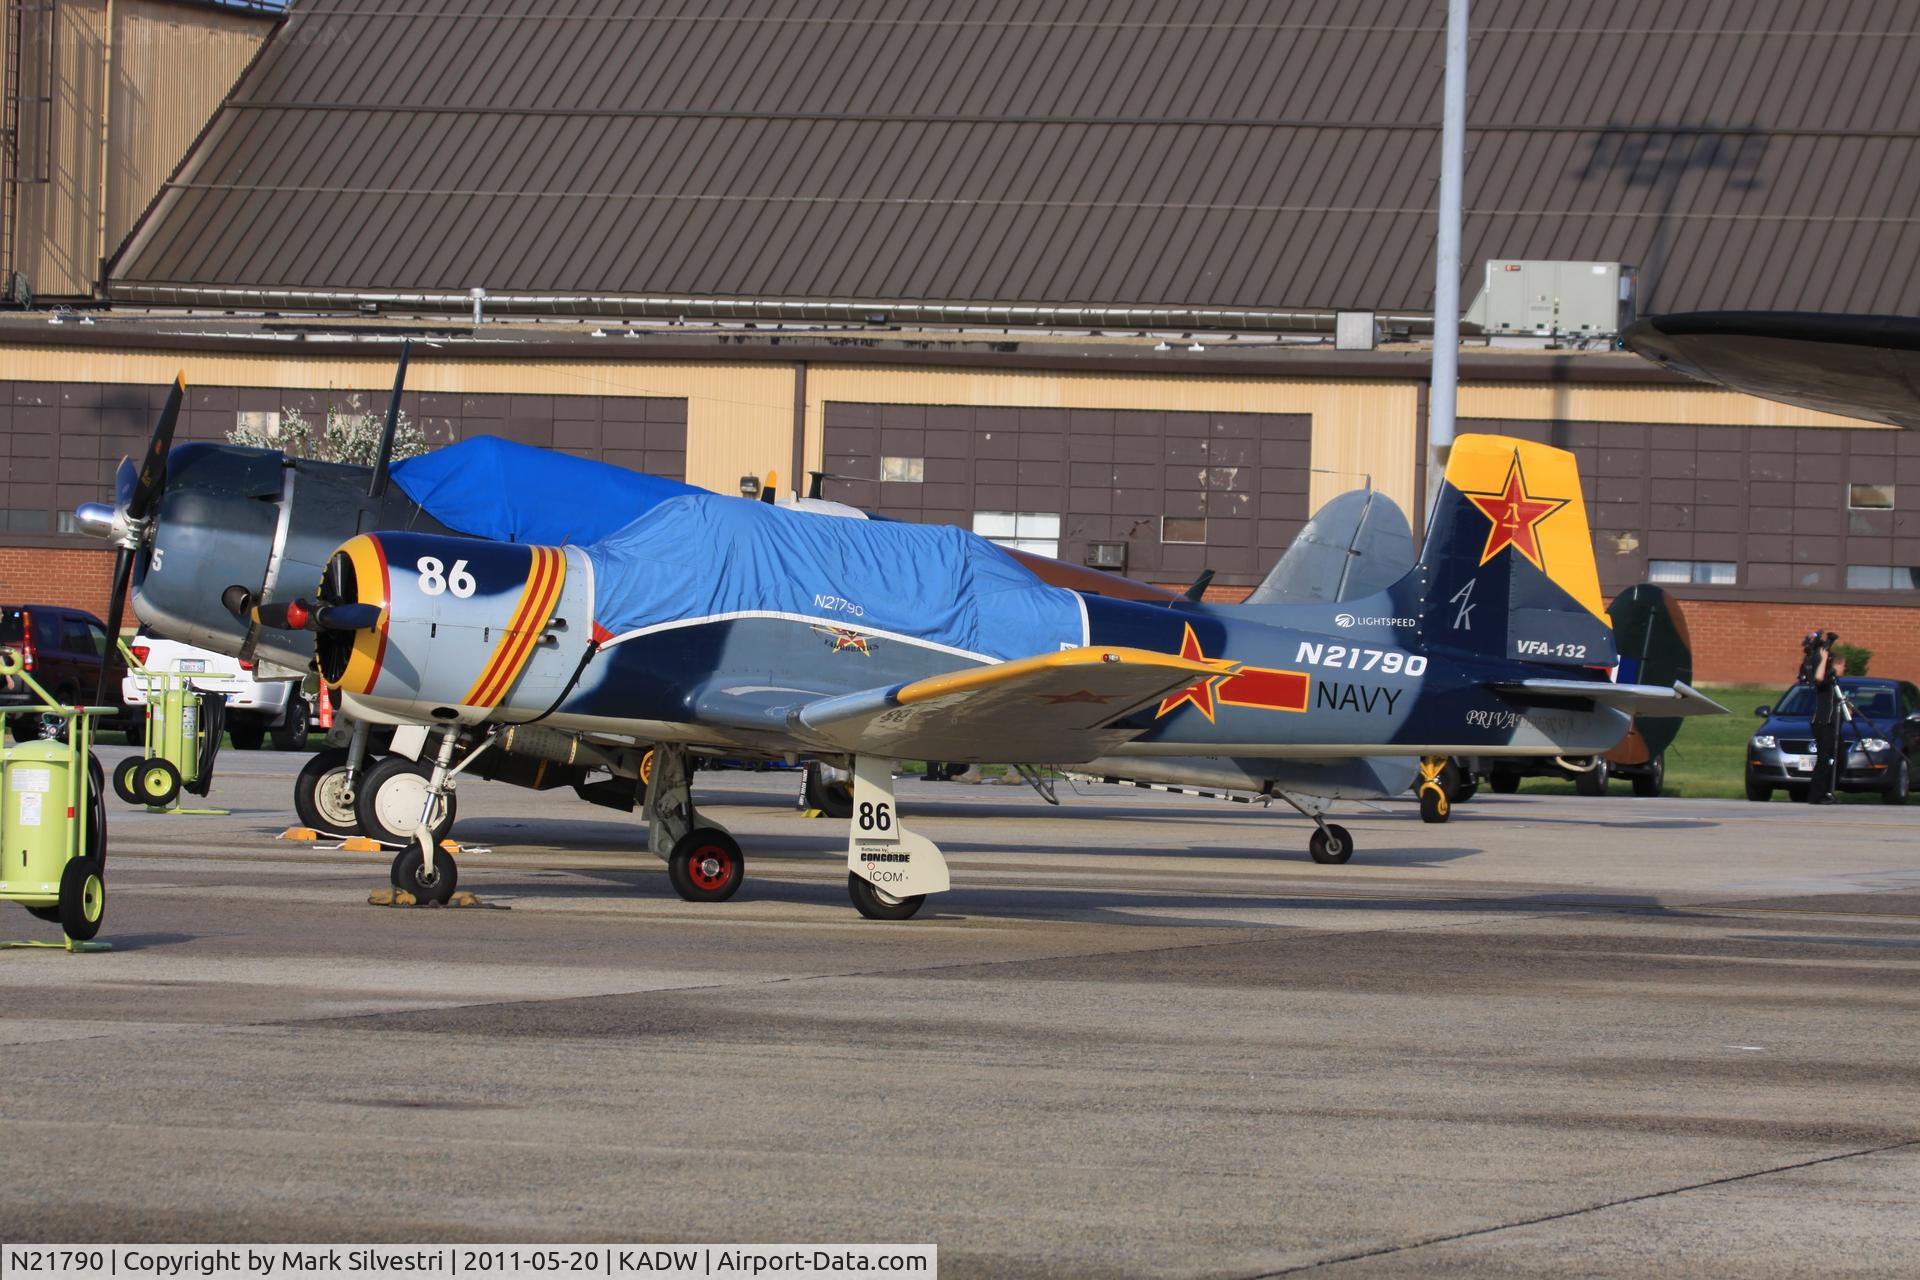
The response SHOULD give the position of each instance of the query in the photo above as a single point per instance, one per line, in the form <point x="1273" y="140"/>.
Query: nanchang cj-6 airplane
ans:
<point x="714" y="624"/>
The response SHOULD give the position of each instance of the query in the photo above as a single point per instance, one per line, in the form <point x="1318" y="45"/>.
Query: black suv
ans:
<point x="64" y="649"/>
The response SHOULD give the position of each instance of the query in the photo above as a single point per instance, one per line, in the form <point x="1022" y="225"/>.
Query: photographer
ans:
<point x="1819" y="668"/>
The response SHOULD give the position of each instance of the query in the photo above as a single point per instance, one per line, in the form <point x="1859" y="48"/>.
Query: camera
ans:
<point x="1815" y="641"/>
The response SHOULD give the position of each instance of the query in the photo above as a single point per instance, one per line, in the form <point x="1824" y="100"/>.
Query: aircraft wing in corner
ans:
<point x="1856" y="366"/>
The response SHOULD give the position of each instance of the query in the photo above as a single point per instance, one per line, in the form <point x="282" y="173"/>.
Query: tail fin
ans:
<point x="1508" y="568"/>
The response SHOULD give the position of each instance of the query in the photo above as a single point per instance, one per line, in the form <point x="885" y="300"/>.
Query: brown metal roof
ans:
<point x="1167" y="154"/>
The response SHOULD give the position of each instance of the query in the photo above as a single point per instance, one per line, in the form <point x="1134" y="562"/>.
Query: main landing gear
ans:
<point x="890" y="870"/>
<point x="704" y="863"/>
<point x="422" y="868"/>
<point x="1434" y="804"/>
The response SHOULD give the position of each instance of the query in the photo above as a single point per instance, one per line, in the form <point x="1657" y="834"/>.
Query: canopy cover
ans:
<point x="708" y="557"/>
<point x="494" y="488"/>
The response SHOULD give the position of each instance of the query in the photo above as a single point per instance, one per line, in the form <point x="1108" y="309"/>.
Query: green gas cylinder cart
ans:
<point x="184" y="728"/>
<point x="53" y="818"/>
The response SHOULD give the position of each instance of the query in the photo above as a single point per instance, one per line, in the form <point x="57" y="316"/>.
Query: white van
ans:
<point x="256" y="708"/>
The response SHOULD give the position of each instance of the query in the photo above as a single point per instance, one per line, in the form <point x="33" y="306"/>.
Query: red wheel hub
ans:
<point x="710" y="867"/>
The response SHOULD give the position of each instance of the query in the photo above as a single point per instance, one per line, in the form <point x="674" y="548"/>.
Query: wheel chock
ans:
<point x="362" y="844"/>
<point x="306" y="835"/>
<point x="71" y="945"/>
<point x="814" y="813"/>
<point x="401" y="898"/>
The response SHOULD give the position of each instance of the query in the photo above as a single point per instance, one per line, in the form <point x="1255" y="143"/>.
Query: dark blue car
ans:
<point x="1877" y="740"/>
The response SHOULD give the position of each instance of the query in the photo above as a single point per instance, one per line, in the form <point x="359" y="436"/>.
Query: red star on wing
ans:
<point x="1516" y="515"/>
<point x="1200" y="692"/>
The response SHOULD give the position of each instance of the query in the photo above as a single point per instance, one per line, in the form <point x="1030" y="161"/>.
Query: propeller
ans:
<point x="136" y="492"/>
<point x="378" y="486"/>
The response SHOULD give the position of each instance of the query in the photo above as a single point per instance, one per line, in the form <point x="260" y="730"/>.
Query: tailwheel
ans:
<point x="706" y="865"/>
<point x="410" y="873"/>
<point x="1434" y="806"/>
<point x="878" y="904"/>
<point x="1332" y="843"/>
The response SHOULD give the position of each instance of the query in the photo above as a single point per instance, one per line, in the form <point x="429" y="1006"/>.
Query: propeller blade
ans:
<point x="381" y="463"/>
<point x="153" y="466"/>
<point x="125" y="480"/>
<point x="116" y="614"/>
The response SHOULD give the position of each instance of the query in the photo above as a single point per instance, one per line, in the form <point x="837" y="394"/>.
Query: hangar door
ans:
<point x="1177" y="492"/>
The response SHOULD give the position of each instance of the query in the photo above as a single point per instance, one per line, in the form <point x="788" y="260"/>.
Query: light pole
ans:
<point x="1442" y="392"/>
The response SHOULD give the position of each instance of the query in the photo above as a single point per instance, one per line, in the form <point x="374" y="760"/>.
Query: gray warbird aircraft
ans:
<point x="716" y="624"/>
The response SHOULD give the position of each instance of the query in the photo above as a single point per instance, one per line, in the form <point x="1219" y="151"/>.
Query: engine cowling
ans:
<point x="463" y="625"/>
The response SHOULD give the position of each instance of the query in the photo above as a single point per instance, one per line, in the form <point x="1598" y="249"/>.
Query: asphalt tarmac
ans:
<point x="1144" y="1035"/>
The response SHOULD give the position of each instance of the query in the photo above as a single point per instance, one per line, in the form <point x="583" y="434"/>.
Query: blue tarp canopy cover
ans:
<point x="494" y="488"/>
<point x="708" y="556"/>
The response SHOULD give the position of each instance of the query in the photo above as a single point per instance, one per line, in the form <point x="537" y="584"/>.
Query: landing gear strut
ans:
<point x="1434" y="805"/>
<point x="890" y="870"/>
<point x="704" y="863"/>
<point x="1330" y="842"/>
<point x="422" y="868"/>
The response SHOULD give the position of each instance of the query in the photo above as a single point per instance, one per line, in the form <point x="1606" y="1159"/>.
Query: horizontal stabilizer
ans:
<point x="1679" y="699"/>
<point x="1054" y="708"/>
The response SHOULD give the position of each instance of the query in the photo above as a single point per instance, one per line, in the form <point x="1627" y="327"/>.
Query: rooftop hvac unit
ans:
<point x="1554" y="299"/>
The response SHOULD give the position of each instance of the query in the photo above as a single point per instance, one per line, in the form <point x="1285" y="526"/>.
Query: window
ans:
<point x="1035" y="531"/>
<point x="1870" y="497"/>
<point x="1183" y="528"/>
<point x="17" y="521"/>
<point x="1881" y="577"/>
<point x="258" y="424"/>
<point x="1712" y="573"/>
<point x="903" y="470"/>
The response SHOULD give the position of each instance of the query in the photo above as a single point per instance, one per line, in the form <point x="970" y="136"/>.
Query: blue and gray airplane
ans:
<point x="710" y="624"/>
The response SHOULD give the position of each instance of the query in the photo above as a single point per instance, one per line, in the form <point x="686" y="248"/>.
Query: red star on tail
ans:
<point x="1516" y="515"/>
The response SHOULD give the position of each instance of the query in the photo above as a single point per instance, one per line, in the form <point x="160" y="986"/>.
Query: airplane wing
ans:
<point x="1856" y="366"/>
<point x="1635" y="699"/>
<point x="1047" y="709"/>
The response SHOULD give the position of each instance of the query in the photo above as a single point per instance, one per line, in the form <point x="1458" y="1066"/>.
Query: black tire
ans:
<point x="292" y="733"/>
<point x="1899" y="782"/>
<point x="96" y="810"/>
<point x="83" y="898"/>
<point x="1332" y="843"/>
<point x="1797" y="795"/>
<point x="1649" y="784"/>
<point x="155" y="782"/>
<point x="831" y="797"/>
<point x="1592" y="782"/>
<point x="1434" y="805"/>
<point x="706" y="865"/>
<point x="878" y="904"/>
<point x="1504" y="782"/>
<point x="1758" y="792"/>
<point x="123" y="780"/>
<point x="409" y="873"/>
<point x="315" y="795"/>
<point x="384" y="812"/>
<point x="1464" y="792"/>
<point x="247" y="737"/>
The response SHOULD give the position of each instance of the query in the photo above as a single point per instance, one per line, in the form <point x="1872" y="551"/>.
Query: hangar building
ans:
<point x="1067" y="275"/>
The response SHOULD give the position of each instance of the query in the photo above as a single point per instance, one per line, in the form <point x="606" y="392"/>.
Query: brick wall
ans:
<point x="1760" y="643"/>
<point x="79" y="578"/>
